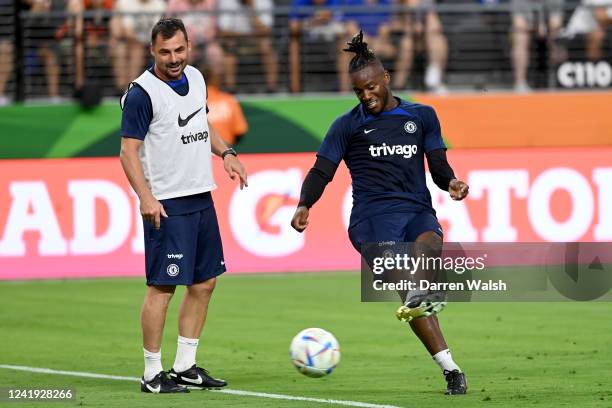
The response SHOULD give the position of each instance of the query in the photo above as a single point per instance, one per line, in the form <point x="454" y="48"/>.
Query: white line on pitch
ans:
<point x="224" y="391"/>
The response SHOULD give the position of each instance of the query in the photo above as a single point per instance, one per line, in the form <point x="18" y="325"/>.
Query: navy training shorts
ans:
<point x="186" y="249"/>
<point x="398" y="227"/>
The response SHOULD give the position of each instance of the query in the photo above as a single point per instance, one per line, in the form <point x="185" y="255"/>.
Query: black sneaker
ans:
<point x="456" y="382"/>
<point x="196" y="377"/>
<point x="161" y="384"/>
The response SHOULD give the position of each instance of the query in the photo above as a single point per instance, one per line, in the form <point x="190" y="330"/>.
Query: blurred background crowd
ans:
<point x="59" y="49"/>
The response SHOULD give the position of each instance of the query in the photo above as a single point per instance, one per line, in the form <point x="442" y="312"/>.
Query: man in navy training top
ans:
<point x="166" y="153"/>
<point x="383" y="141"/>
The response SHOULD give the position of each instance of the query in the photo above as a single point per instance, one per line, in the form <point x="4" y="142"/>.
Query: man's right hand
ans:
<point x="152" y="210"/>
<point x="300" y="219"/>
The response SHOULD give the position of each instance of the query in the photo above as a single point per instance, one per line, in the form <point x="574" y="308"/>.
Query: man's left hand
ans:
<point x="234" y="168"/>
<point x="458" y="189"/>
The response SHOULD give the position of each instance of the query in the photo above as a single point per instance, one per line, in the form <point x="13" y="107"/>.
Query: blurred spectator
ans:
<point x="201" y="24"/>
<point x="546" y="17"/>
<point x="93" y="37"/>
<point x="6" y="66"/>
<point x="225" y="113"/>
<point x="242" y="22"/>
<point x="54" y="29"/>
<point x="96" y="25"/>
<point x="317" y="21"/>
<point x="601" y="11"/>
<point x="6" y="55"/>
<point x="131" y="31"/>
<point x="382" y="35"/>
<point x="424" y="30"/>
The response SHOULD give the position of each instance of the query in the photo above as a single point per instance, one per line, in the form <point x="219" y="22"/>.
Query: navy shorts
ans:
<point x="186" y="249"/>
<point x="399" y="227"/>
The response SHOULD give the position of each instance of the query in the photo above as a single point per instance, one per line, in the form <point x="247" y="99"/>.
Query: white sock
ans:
<point x="153" y="364"/>
<point x="445" y="361"/>
<point x="185" y="354"/>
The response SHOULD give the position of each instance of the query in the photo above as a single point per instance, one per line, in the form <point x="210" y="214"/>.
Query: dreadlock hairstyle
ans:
<point x="363" y="55"/>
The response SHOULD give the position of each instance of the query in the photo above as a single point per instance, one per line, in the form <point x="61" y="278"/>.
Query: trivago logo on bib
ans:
<point x="406" y="151"/>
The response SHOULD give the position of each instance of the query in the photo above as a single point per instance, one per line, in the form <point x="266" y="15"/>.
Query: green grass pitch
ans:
<point x="514" y="354"/>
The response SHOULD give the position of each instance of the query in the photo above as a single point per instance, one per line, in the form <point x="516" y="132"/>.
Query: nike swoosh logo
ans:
<point x="368" y="131"/>
<point x="191" y="380"/>
<point x="184" y="122"/>
<point x="154" y="389"/>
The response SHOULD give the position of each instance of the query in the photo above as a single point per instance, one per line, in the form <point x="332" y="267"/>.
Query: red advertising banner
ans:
<point x="79" y="218"/>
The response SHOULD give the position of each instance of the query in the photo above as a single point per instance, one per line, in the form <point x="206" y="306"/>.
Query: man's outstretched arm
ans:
<point x="233" y="167"/>
<point x="443" y="175"/>
<point x="314" y="184"/>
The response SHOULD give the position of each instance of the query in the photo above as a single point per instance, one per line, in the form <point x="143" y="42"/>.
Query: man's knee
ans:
<point x="429" y="243"/>
<point x="203" y="289"/>
<point x="520" y="25"/>
<point x="160" y="294"/>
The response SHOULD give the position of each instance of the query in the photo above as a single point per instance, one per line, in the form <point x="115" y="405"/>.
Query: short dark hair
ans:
<point x="363" y="55"/>
<point x="167" y="27"/>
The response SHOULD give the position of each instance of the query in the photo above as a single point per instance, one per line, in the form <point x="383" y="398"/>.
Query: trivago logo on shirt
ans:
<point x="194" y="137"/>
<point x="406" y="151"/>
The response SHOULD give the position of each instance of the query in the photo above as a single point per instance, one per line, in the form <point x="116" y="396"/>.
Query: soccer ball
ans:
<point x="315" y="352"/>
